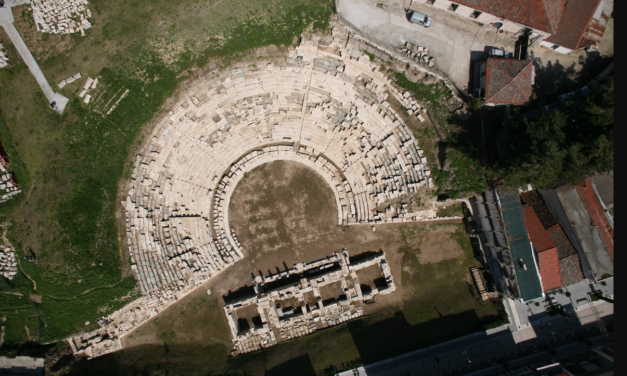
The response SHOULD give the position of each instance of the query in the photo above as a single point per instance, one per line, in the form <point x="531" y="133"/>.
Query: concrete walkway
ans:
<point x="6" y="21"/>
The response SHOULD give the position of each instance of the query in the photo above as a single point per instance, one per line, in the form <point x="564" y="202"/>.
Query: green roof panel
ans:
<point x="519" y="244"/>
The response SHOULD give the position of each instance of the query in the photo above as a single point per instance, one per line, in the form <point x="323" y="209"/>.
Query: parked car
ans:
<point x="418" y="18"/>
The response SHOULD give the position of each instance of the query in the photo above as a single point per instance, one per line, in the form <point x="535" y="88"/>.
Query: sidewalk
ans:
<point x="6" y="21"/>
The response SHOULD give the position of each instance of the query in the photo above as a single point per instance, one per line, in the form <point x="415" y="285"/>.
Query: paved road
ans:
<point x="449" y="39"/>
<point x="474" y="353"/>
<point x="453" y="41"/>
<point x="6" y="21"/>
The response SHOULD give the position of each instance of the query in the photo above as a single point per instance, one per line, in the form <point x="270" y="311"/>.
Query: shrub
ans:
<point x="537" y="304"/>
<point x="567" y="294"/>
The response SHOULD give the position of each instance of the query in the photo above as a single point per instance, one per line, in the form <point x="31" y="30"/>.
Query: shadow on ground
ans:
<point x="394" y="336"/>
<point x="555" y="79"/>
<point x="298" y="366"/>
<point x="239" y="293"/>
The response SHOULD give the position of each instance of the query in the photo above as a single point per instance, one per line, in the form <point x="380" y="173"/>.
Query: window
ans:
<point x="453" y="7"/>
<point x="555" y="46"/>
<point x="430" y="2"/>
<point x="475" y="14"/>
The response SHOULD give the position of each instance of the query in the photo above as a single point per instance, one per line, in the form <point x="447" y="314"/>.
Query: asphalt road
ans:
<point x="454" y="41"/>
<point x="450" y="40"/>
<point x="472" y="354"/>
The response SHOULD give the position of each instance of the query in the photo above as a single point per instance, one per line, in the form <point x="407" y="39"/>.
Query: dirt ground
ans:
<point x="369" y="275"/>
<point x="284" y="213"/>
<point x="331" y="291"/>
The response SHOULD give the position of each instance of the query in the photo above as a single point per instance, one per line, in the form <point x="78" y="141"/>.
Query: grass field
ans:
<point x="69" y="166"/>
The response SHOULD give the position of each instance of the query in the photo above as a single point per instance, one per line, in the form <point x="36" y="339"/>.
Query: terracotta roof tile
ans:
<point x="538" y="14"/>
<point x="575" y="23"/>
<point x="533" y="199"/>
<point x="508" y="81"/>
<point x="589" y="197"/>
<point x="539" y="236"/>
<point x="549" y="269"/>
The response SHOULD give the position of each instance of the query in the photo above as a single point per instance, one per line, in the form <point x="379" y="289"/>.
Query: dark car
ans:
<point x="418" y="18"/>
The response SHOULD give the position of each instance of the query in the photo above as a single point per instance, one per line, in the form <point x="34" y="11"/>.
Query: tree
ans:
<point x="560" y="146"/>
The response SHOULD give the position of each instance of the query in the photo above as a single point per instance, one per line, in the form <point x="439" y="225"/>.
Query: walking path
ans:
<point x="6" y="21"/>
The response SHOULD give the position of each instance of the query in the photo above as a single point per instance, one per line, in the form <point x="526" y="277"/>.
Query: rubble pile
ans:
<point x="69" y="80"/>
<point x="89" y="84"/>
<point x="8" y="263"/>
<point x="4" y="59"/>
<point x="418" y="54"/>
<point x="8" y="185"/>
<point x="113" y="327"/>
<point x="61" y="16"/>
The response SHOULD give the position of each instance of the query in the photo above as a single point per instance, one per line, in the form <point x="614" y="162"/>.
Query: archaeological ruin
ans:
<point x="294" y="303"/>
<point x="325" y="107"/>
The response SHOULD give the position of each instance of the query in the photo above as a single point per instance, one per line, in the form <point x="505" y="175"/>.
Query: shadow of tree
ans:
<point x="476" y="135"/>
<point x="554" y="79"/>
<point x="297" y="366"/>
<point x="394" y="336"/>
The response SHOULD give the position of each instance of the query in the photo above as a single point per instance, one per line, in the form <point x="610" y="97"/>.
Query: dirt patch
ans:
<point x="284" y="213"/>
<point x="283" y="208"/>
<point x="369" y="278"/>
<point x="288" y="303"/>
<point x="434" y="243"/>
<point x="35" y="298"/>
<point x="332" y="292"/>
<point x="247" y="317"/>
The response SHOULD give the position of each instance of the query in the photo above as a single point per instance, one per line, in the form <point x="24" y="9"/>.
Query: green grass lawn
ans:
<point x="452" y="210"/>
<point x="70" y="166"/>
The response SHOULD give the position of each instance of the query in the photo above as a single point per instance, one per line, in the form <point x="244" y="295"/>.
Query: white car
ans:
<point x="418" y="18"/>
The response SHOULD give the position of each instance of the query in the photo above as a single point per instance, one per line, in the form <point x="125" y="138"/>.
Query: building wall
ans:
<point x="510" y="28"/>
<point x="560" y="49"/>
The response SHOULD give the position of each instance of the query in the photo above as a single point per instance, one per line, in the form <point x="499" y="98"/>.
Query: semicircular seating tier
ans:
<point x="321" y="108"/>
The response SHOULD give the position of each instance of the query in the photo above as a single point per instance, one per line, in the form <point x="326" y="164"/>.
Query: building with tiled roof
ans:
<point x="580" y="26"/>
<point x="506" y="81"/>
<point x="603" y="185"/>
<point x="597" y="212"/>
<point x="519" y="244"/>
<point x="563" y="25"/>
<point x="558" y="260"/>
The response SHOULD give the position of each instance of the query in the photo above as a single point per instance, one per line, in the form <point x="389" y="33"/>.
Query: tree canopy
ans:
<point x="560" y="146"/>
